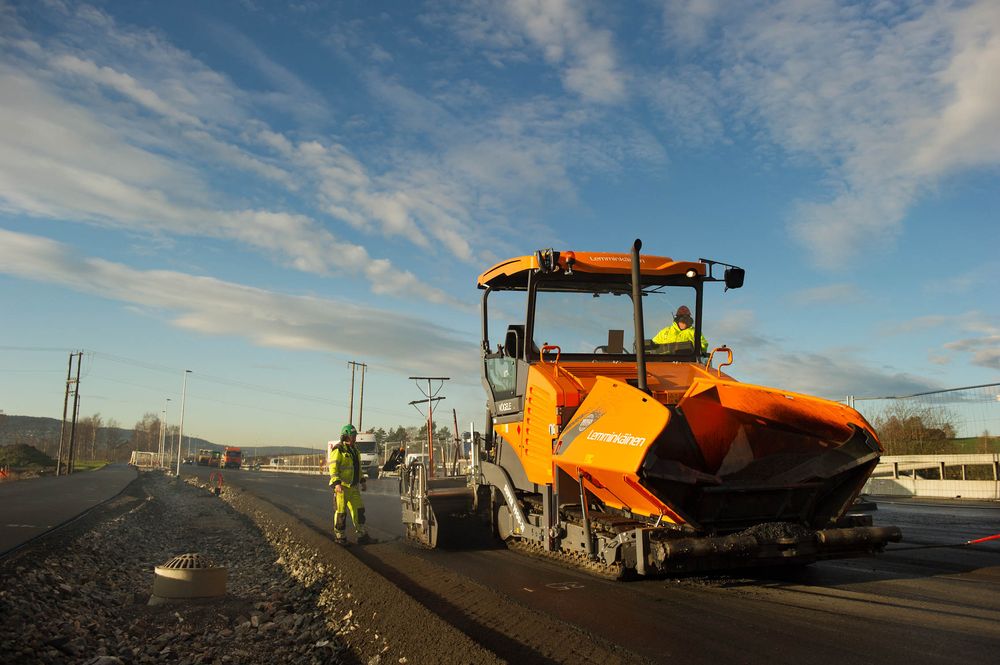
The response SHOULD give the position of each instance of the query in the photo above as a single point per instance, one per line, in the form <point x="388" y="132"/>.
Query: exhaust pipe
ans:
<point x="640" y="335"/>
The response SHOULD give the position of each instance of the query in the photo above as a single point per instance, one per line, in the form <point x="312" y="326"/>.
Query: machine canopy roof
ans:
<point x="513" y="273"/>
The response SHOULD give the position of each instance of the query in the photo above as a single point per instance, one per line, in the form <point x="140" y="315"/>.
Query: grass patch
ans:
<point x="88" y="465"/>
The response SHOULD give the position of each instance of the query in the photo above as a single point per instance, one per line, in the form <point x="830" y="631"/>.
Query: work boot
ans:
<point x="340" y="539"/>
<point x="364" y="539"/>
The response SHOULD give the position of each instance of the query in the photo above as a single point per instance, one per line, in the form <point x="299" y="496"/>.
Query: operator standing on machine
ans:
<point x="345" y="478"/>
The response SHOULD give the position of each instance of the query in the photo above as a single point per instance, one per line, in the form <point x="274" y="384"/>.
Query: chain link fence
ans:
<point x="955" y="421"/>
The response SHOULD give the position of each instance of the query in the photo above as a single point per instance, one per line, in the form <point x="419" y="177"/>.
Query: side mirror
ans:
<point x="734" y="278"/>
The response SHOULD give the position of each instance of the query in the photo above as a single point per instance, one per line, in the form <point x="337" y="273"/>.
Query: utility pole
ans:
<point x="71" y="456"/>
<point x="62" y="426"/>
<point x="350" y="413"/>
<point x="180" y="432"/>
<point x="431" y="396"/>
<point x="163" y="434"/>
<point x="458" y="443"/>
<point x="354" y="365"/>
<point x="71" y="460"/>
<point x="361" y="407"/>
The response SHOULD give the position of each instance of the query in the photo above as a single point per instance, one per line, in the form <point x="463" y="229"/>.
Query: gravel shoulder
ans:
<point x="79" y="595"/>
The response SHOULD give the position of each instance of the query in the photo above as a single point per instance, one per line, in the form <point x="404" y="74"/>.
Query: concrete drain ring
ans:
<point x="188" y="576"/>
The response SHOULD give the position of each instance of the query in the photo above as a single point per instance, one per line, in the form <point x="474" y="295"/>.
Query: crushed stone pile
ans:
<point x="80" y="595"/>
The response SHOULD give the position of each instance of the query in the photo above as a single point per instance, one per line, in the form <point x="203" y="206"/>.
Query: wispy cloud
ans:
<point x="978" y="277"/>
<point x="842" y="293"/>
<point x="888" y="99"/>
<point x="561" y="31"/>
<point x="985" y="349"/>
<point x="267" y="318"/>
<point x="70" y="150"/>
<point x="585" y="53"/>
<point x="124" y="84"/>
<point x="47" y="169"/>
<point x="739" y="329"/>
<point x="832" y="376"/>
<point x="286" y="92"/>
<point x="917" y="324"/>
<point x="973" y="333"/>
<point x="170" y="131"/>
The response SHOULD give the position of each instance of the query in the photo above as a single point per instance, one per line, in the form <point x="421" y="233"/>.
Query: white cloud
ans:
<point x="977" y="333"/>
<point x="977" y="277"/>
<point x="184" y="127"/>
<point x="984" y="349"/>
<point x="687" y="22"/>
<point x="966" y="132"/>
<point x="831" y="375"/>
<point x="737" y="329"/>
<point x="123" y="84"/>
<point x="286" y="93"/>
<point x="689" y="98"/>
<point x="71" y="152"/>
<point x="889" y="99"/>
<point x="267" y="318"/>
<point x="584" y="55"/>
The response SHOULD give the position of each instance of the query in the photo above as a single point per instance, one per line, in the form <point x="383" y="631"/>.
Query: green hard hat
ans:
<point x="348" y="430"/>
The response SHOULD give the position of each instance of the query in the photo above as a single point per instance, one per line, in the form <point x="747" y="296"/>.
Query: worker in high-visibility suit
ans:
<point x="681" y="330"/>
<point x="346" y="478"/>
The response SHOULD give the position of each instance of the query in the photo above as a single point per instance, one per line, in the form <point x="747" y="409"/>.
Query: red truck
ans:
<point x="232" y="458"/>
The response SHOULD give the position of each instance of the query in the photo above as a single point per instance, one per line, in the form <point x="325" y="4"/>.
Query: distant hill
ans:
<point x="43" y="434"/>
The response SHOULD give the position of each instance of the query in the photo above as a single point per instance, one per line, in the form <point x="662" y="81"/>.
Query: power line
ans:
<point x="155" y="367"/>
<point x="221" y="380"/>
<point x="299" y="396"/>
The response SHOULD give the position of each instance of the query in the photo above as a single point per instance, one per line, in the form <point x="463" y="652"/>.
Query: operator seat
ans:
<point x="513" y="344"/>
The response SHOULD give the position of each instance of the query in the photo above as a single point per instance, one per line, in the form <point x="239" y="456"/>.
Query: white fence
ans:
<point x="144" y="460"/>
<point x="897" y="475"/>
<point x="312" y="469"/>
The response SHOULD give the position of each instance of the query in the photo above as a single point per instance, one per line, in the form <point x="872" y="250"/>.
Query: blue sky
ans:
<point x="262" y="191"/>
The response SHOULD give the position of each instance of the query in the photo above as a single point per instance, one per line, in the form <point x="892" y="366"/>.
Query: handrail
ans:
<point x="550" y="347"/>
<point x="708" y="365"/>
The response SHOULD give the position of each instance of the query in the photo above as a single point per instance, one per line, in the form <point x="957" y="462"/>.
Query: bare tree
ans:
<point x="984" y="441"/>
<point x="114" y="441"/>
<point x="146" y="434"/>
<point x="88" y="430"/>
<point x="906" y="428"/>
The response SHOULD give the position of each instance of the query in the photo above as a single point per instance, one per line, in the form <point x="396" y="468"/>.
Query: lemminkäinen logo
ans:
<point x="621" y="438"/>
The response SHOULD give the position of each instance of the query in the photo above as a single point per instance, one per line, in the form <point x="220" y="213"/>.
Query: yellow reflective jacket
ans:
<point x="674" y="334"/>
<point x="345" y="464"/>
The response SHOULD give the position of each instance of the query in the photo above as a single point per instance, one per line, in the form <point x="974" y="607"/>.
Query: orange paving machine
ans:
<point x="624" y="452"/>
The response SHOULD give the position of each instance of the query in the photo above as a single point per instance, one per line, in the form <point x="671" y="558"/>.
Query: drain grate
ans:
<point x="188" y="561"/>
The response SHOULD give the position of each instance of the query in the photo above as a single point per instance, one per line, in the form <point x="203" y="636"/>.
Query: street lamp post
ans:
<point x="180" y="432"/>
<point x="163" y="435"/>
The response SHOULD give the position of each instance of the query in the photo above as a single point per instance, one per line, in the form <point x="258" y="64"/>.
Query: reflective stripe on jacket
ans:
<point x="345" y="464"/>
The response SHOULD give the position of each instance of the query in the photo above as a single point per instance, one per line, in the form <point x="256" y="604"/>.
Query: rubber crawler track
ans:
<point x="576" y="561"/>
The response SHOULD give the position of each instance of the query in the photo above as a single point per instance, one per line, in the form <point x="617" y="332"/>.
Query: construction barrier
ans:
<point x="942" y="476"/>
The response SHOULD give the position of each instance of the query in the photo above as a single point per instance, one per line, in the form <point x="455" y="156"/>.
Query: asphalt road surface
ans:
<point x="926" y="600"/>
<point x="29" y="508"/>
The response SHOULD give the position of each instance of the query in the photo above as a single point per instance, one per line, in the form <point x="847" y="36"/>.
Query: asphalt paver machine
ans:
<point x="621" y="452"/>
